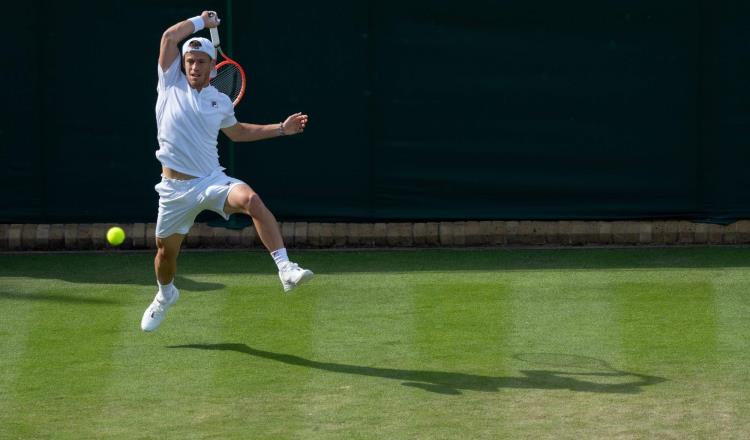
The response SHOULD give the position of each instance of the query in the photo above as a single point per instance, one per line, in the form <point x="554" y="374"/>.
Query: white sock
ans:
<point x="166" y="290"/>
<point x="280" y="257"/>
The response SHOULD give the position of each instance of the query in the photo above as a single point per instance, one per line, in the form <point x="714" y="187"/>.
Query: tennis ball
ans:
<point x="115" y="236"/>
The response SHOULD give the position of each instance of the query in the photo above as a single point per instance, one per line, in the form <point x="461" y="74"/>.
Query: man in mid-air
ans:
<point x="189" y="114"/>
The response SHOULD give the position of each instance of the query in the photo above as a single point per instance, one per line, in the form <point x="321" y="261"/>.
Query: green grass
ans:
<point x="571" y="343"/>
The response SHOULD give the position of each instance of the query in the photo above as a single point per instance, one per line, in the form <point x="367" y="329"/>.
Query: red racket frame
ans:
<point x="227" y="61"/>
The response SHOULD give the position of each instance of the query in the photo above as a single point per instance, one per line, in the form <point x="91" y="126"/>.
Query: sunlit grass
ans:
<point x="572" y="343"/>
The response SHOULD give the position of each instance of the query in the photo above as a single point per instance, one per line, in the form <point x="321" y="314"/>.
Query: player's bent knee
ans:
<point x="253" y="204"/>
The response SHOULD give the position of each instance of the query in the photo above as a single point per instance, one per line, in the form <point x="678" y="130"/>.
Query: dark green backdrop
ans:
<point x="419" y="110"/>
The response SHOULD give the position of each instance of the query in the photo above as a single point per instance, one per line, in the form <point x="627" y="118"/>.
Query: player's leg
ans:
<point x="242" y="199"/>
<point x="178" y="207"/>
<point x="165" y="262"/>
<point x="165" y="266"/>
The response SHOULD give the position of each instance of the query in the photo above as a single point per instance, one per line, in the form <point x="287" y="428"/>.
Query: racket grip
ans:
<point x="215" y="37"/>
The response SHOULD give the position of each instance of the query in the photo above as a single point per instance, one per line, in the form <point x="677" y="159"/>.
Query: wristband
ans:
<point x="281" y="129"/>
<point x="198" y="23"/>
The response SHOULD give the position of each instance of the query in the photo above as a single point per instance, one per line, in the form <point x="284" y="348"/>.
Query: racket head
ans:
<point x="230" y="80"/>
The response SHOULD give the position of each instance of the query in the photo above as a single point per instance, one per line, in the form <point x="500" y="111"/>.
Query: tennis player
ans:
<point x="189" y="114"/>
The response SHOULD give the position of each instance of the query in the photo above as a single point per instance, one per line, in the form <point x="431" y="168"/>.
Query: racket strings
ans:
<point x="228" y="81"/>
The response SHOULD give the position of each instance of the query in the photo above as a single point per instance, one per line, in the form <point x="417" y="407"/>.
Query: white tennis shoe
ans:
<point x="154" y="314"/>
<point x="292" y="275"/>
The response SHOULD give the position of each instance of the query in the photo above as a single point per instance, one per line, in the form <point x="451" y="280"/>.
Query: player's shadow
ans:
<point x="187" y="284"/>
<point x="453" y="383"/>
<point x="56" y="297"/>
<point x="91" y="268"/>
<point x="184" y="283"/>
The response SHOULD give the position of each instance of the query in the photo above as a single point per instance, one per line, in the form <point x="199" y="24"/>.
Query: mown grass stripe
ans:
<point x="669" y="325"/>
<point x="151" y="384"/>
<point x="17" y="304"/>
<point x="259" y="318"/>
<point x="66" y="361"/>
<point x="563" y="350"/>
<point x="664" y="322"/>
<point x="732" y="386"/>
<point x="360" y="329"/>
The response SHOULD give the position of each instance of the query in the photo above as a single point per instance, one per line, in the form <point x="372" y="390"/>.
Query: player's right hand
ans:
<point x="210" y="19"/>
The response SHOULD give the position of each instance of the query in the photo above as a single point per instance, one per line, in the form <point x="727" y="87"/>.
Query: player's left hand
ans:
<point x="294" y="124"/>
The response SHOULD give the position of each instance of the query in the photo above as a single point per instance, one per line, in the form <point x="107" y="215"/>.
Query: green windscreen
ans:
<point x="420" y="110"/>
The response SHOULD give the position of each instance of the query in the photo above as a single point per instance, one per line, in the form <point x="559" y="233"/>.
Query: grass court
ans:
<point x="511" y="343"/>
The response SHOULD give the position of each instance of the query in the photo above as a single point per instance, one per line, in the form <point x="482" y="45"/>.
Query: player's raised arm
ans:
<point x="178" y="32"/>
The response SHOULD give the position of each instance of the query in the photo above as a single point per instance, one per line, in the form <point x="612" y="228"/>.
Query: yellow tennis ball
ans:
<point x="115" y="236"/>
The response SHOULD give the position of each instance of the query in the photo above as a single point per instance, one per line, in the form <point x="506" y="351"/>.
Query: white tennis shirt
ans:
<point x="188" y="123"/>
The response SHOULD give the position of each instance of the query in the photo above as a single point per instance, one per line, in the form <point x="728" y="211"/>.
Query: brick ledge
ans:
<point x="89" y="236"/>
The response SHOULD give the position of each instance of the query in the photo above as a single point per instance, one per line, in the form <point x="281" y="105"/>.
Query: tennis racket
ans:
<point x="230" y="76"/>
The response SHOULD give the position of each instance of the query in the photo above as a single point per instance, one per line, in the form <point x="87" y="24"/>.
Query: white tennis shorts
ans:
<point x="180" y="201"/>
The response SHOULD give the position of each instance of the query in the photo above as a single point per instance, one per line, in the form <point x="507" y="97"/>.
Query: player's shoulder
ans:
<point x="171" y="78"/>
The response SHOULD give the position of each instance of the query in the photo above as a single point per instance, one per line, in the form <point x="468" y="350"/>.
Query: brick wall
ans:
<point x="15" y="237"/>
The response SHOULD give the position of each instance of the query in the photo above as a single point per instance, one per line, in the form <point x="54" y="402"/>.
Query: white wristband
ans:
<point x="198" y="23"/>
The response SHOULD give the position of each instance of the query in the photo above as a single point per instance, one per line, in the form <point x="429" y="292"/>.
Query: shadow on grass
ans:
<point x="92" y="269"/>
<point x="64" y="299"/>
<point x="192" y="285"/>
<point x="184" y="284"/>
<point x="137" y="268"/>
<point x="452" y="383"/>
